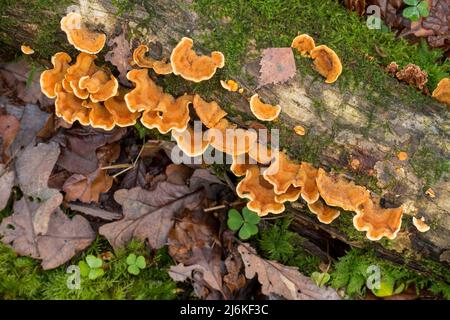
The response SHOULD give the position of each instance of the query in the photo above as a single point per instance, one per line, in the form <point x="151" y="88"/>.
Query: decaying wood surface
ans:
<point x="341" y="119"/>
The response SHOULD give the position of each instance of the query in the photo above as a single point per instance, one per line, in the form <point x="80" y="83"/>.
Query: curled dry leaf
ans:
<point x="87" y="188"/>
<point x="284" y="281"/>
<point x="148" y="215"/>
<point x="9" y="126"/>
<point x="277" y="66"/>
<point x="42" y="231"/>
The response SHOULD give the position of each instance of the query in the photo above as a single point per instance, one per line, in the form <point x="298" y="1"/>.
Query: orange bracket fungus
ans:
<point x="190" y="143"/>
<point x="101" y="85"/>
<point x="49" y="78"/>
<point x="187" y="64"/>
<point x="263" y="111"/>
<point x="99" y="116"/>
<point x="84" y="66"/>
<point x="240" y="164"/>
<point x="324" y="213"/>
<point x="377" y="221"/>
<point x="70" y="107"/>
<point x="81" y="38"/>
<point x="26" y="49"/>
<point x="260" y="192"/>
<point x="145" y="95"/>
<point x="169" y="114"/>
<point x="261" y="153"/>
<point x="304" y="44"/>
<point x="231" y="141"/>
<point x="306" y="178"/>
<point x="292" y="194"/>
<point x="420" y="224"/>
<point x="340" y="192"/>
<point x="210" y="113"/>
<point x="327" y="63"/>
<point x="143" y="61"/>
<point x="229" y="85"/>
<point x="442" y="91"/>
<point x="119" y="111"/>
<point x="282" y="173"/>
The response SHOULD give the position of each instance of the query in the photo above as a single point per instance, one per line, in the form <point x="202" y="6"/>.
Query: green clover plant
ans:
<point x="135" y="264"/>
<point x="91" y="268"/>
<point x="246" y="222"/>
<point x="417" y="9"/>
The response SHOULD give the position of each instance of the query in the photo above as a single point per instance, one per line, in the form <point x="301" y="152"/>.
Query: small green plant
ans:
<point x="417" y="9"/>
<point x="246" y="222"/>
<point x="135" y="264"/>
<point x="320" y="278"/>
<point x="92" y="267"/>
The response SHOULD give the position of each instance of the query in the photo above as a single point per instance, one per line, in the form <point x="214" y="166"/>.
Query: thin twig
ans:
<point x="223" y="206"/>
<point x="126" y="166"/>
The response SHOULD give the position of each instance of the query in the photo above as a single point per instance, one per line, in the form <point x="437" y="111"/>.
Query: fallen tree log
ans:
<point x="349" y="131"/>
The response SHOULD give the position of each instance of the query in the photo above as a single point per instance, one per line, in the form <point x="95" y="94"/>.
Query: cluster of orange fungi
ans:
<point x="92" y="95"/>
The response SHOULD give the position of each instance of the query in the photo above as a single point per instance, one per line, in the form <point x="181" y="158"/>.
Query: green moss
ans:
<point x="350" y="272"/>
<point x="428" y="165"/>
<point x="22" y="278"/>
<point x="123" y="6"/>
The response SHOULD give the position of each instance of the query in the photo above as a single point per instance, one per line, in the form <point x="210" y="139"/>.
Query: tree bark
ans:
<point x="341" y="126"/>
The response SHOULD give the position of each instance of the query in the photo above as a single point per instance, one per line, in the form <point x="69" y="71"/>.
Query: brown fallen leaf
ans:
<point x="194" y="242"/>
<point x="136" y="177"/>
<point x="148" y="215"/>
<point x="9" y="126"/>
<point x="95" y="212"/>
<point x="6" y="185"/>
<point x="277" y="66"/>
<point x="178" y="173"/>
<point x="42" y="231"/>
<point x="119" y="55"/>
<point x="284" y="281"/>
<point x="79" y="147"/>
<point x="87" y="188"/>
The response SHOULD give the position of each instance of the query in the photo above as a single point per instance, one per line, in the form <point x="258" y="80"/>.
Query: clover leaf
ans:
<point x="416" y="9"/>
<point x="246" y="222"/>
<point x="135" y="264"/>
<point x="91" y="268"/>
<point x="320" y="278"/>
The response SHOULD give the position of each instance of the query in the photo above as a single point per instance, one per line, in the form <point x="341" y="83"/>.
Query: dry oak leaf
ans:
<point x="277" y="66"/>
<point x="87" y="188"/>
<point x="6" y="184"/>
<point x="9" y="126"/>
<point x="42" y="231"/>
<point x="148" y="215"/>
<point x="96" y="212"/>
<point x="120" y="55"/>
<point x="284" y="281"/>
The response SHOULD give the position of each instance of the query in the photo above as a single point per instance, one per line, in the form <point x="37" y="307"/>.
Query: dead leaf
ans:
<point x="6" y="185"/>
<point x="148" y="215"/>
<point x="87" y="188"/>
<point x="79" y="147"/>
<point x="9" y="126"/>
<point x="193" y="241"/>
<point x="95" y="212"/>
<point x="284" y="281"/>
<point x="42" y="231"/>
<point x="135" y="177"/>
<point x="119" y="55"/>
<point x="178" y="173"/>
<point x="277" y="66"/>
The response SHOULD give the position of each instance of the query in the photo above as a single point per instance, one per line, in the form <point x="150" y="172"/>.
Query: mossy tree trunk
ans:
<point x="343" y="125"/>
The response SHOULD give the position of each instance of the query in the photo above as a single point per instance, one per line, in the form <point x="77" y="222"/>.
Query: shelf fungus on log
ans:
<point x="79" y="36"/>
<point x="231" y="140"/>
<point x="169" y="114"/>
<point x="292" y="194"/>
<point x="84" y="66"/>
<point x="282" y="173"/>
<point x="187" y="64"/>
<point x="49" y="78"/>
<point x="120" y="112"/>
<point x="306" y="178"/>
<point x="324" y="213"/>
<point x="378" y="222"/>
<point x="142" y="60"/>
<point x="263" y="111"/>
<point x="229" y="85"/>
<point x="240" y="164"/>
<point x="99" y="116"/>
<point x="442" y="91"/>
<point x="340" y="192"/>
<point x="26" y="49"/>
<point x="189" y="142"/>
<point x="304" y="44"/>
<point x="101" y="85"/>
<point x="327" y="63"/>
<point x="420" y="224"/>
<point x="146" y="94"/>
<point x="209" y="113"/>
<point x="261" y="153"/>
<point x="69" y="107"/>
<point x="260" y="193"/>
